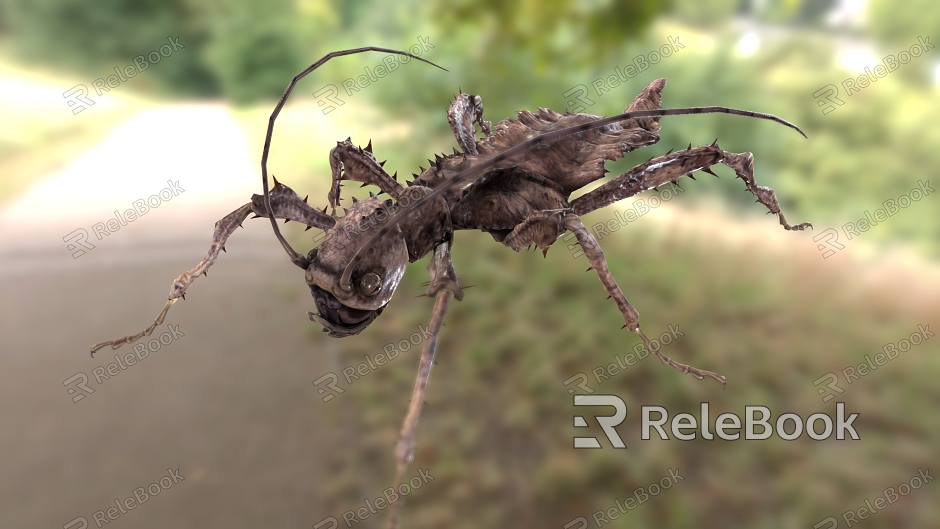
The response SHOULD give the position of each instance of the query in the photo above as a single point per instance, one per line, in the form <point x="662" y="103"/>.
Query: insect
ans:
<point x="514" y="184"/>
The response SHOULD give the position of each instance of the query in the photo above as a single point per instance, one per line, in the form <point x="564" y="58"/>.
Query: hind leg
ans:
<point x="631" y="317"/>
<point x="675" y="165"/>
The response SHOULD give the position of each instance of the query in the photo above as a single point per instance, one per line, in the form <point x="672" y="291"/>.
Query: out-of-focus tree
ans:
<point x="899" y="25"/>
<point x="243" y="49"/>
<point x="252" y="46"/>
<point x="705" y="12"/>
<point x="95" y="37"/>
<point x="901" y="22"/>
<point x="600" y="26"/>
<point x="523" y="54"/>
<point x="794" y="12"/>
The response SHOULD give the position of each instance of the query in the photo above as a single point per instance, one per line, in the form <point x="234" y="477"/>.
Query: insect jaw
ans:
<point x="342" y="332"/>
<point x="338" y="319"/>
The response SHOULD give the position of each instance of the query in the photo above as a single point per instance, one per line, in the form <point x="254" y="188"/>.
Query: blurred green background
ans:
<point x="246" y="423"/>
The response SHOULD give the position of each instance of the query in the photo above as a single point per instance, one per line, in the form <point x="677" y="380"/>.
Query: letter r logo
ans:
<point x="333" y="380"/>
<point x="79" y="523"/>
<point x="322" y="523"/>
<point x="832" y="523"/>
<point x="331" y="94"/>
<point x="826" y="245"/>
<point x="832" y="379"/>
<point x="830" y="95"/>
<point x="607" y="422"/>
<point x="81" y="382"/>
<point x="76" y="239"/>
<point x="579" y="520"/>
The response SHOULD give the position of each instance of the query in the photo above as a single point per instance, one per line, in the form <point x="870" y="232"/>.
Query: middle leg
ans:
<point x="443" y="288"/>
<point x="349" y="162"/>
<point x="542" y="228"/>
<point x="631" y="317"/>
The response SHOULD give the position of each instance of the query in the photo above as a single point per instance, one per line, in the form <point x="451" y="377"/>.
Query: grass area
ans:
<point x="755" y="303"/>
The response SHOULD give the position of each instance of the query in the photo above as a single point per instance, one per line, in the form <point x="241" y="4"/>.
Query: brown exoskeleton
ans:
<point x="515" y="184"/>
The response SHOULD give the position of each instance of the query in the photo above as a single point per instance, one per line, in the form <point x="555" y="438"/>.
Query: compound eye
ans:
<point x="370" y="284"/>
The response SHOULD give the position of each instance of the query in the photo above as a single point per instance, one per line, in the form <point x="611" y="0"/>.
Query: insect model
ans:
<point x="514" y="184"/>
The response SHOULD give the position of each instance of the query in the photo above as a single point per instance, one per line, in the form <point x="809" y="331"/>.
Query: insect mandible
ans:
<point x="514" y="184"/>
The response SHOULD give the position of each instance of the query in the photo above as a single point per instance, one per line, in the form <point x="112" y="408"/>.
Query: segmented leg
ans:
<point x="463" y="112"/>
<point x="443" y="288"/>
<point x="631" y="317"/>
<point x="671" y="167"/>
<point x="350" y="162"/>
<point x="286" y="204"/>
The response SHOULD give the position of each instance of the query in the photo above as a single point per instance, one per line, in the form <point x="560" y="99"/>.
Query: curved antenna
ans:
<point x="295" y="257"/>
<point x="508" y="153"/>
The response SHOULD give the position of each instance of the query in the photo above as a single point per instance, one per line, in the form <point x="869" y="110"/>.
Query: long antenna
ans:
<point x="465" y="175"/>
<point x="295" y="257"/>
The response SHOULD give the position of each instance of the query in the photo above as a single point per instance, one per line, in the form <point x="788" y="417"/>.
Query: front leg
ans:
<point x="632" y="318"/>
<point x="349" y="162"/>
<point x="443" y="288"/>
<point x="286" y="205"/>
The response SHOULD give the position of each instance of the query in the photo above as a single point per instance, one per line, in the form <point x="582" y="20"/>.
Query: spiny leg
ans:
<point x="463" y="112"/>
<point x="223" y="229"/>
<point x="443" y="288"/>
<point x="671" y="167"/>
<point x="349" y="162"/>
<point x="286" y="204"/>
<point x="743" y="165"/>
<point x="632" y="318"/>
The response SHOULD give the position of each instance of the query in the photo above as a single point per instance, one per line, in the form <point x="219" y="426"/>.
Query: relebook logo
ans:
<point x="757" y="423"/>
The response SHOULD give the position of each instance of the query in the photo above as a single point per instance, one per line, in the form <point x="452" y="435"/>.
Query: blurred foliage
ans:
<point x="548" y="26"/>
<point x="95" y="37"/>
<point x="899" y="23"/>
<point x="497" y="401"/>
<point x="243" y="49"/>
<point x="705" y="12"/>
<point x="795" y="12"/>
<point x="253" y="47"/>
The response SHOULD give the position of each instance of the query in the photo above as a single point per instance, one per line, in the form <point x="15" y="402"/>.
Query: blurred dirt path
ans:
<point x="229" y="402"/>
